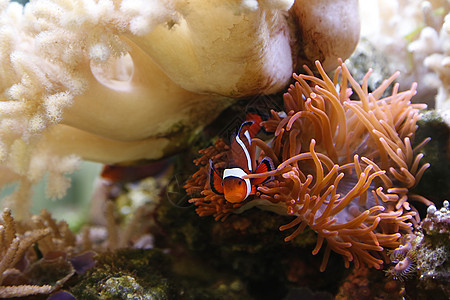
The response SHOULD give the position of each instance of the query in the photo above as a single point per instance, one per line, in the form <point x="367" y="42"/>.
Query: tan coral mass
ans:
<point x="184" y="56"/>
<point x="122" y="80"/>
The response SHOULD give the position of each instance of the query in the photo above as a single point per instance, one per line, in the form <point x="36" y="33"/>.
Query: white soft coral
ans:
<point x="439" y="62"/>
<point x="113" y="80"/>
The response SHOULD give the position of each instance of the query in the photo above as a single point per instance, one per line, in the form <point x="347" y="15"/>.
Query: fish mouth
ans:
<point x="234" y="198"/>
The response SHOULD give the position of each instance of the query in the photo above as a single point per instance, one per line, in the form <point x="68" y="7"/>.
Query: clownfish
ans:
<point x="231" y="185"/>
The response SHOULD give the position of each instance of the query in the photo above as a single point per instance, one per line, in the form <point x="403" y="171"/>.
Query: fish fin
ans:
<point x="243" y="129"/>
<point x="265" y="165"/>
<point x="253" y="191"/>
<point x="215" y="181"/>
<point x="256" y="126"/>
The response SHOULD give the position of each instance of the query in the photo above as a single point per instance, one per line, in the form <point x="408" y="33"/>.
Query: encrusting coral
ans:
<point x="344" y="166"/>
<point x="423" y="256"/>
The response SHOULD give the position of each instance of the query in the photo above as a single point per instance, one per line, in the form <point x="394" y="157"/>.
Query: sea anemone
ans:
<point x="344" y="165"/>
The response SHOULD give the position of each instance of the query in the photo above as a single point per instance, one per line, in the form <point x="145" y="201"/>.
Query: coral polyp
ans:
<point x="403" y="269"/>
<point x="344" y="166"/>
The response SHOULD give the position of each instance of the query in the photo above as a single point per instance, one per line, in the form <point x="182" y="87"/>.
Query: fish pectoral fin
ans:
<point x="264" y="166"/>
<point x="215" y="181"/>
<point x="253" y="191"/>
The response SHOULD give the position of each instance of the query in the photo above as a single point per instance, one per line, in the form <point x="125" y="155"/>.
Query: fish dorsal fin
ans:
<point x="244" y="134"/>
<point x="256" y="126"/>
<point x="215" y="180"/>
<point x="266" y="165"/>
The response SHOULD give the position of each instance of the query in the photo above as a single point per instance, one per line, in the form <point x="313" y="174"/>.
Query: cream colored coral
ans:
<point x="412" y="36"/>
<point x="329" y="30"/>
<point x="439" y="62"/>
<point x="113" y="80"/>
<point x="182" y="54"/>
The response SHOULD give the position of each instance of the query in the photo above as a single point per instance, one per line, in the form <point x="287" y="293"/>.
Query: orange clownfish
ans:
<point x="235" y="188"/>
